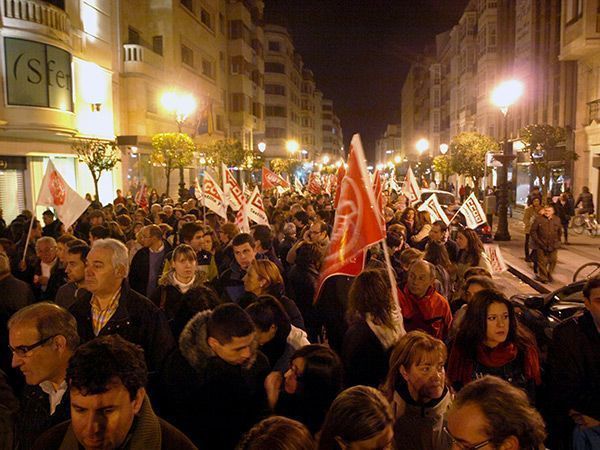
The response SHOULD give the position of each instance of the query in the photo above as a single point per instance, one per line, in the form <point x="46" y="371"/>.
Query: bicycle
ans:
<point x="587" y="271"/>
<point x="586" y="222"/>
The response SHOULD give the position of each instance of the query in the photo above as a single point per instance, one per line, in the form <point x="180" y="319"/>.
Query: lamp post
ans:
<point x="443" y="150"/>
<point x="181" y="105"/>
<point x="422" y="146"/>
<point x="504" y="96"/>
<point x="292" y="147"/>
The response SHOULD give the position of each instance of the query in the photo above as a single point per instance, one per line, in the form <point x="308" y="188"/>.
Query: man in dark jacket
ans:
<point x="75" y="258"/>
<point x="42" y="336"/>
<point x="110" y="409"/>
<point x="148" y="263"/>
<point x="52" y="226"/>
<point x="574" y="369"/>
<point x="263" y="238"/>
<point x="545" y="240"/>
<point x="110" y="306"/>
<point x="231" y="282"/>
<point x="214" y="383"/>
<point x="49" y="275"/>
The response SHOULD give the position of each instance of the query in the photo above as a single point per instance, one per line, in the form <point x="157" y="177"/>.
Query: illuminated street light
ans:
<point x="292" y="146"/>
<point x="182" y="105"/>
<point x="506" y="94"/>
<point x="262" y="147"/>
<point x="339" y="163"/>
<point x="379" y="166"/>
<point x="397" y="159"/>
<point x="443" y="149"/>
<point x="325" y="159"/>
<point x="422" y="146"/>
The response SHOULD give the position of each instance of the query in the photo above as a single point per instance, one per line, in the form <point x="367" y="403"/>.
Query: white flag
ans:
<point x="256" y="209"/>
<point x="56" y="193"/>
<point x="495" y="256"/>
<point x="231" y="189"/>
<point x="213" y="197"/>
<point x="298" y="185"/>
<point x="411" y="187"/>
<point x="241" y="218"/>
<point x="473" y="212"/>
<point x="435" y="209"/>
<point x="393" y="184"/>
<point x="246" y="190"/>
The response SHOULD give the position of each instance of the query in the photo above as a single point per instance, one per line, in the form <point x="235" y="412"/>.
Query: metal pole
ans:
<point x="502" y="233"/>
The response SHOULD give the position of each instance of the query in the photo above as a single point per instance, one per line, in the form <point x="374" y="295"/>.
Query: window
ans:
<point x="274" y="46"/>
<point x="207" y="68"/>
<point x="276" y="111"/>
<point x="157" y="44"/>
<point x="188" y="4"/>
<point x="238" y="102"/>
<point x="274" y="89"/>
<point x="257" y="110"/>
<point x="206" y="18"/>
<point x="275" y="133"/>
<point x="274" y="67"/>
<point x="187" y="55"/>
<point x="221" y="23"/>
<point x="133" y="36"/>
<point x="574" y="10"/>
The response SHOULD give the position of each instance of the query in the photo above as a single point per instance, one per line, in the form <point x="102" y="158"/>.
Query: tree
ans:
<point x="280" y="165"/>
<point x="172" y="150"/>
<point x="442" y="164"/>
<point x="468" y="151"/>
<point x="98" y="155"/>
<point x="227" y="151"/>
<point x="541" y="142"/>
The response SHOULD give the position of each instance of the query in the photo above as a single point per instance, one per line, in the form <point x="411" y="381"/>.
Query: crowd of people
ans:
<point x="169" y="328"/>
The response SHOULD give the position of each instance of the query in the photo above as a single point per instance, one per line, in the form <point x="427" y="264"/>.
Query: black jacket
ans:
<point x="365" y="360"/>
<point x="57" y="278"/>
<point x="136" y="319"/>
<point x="210" y="400"/>
<point x="139" y="270"/>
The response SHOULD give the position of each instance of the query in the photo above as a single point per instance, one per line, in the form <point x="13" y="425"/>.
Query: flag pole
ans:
<point x="29" y="234"/>
<point x="396" y="307"/>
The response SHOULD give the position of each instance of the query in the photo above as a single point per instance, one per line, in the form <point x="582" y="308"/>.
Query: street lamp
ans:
<point x="292" y="146"/>
<point x="182" y="106"/>
<point x="325" y="160"/>
<point x="422" y="146"/>
<point x="397" y="159"/>
<point x="443" y="149"/>
<point x="262" y="147"/>
<point x="504" y="96"/>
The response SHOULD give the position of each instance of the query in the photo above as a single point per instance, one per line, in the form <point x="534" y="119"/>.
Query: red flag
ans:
<point x="340" y="174"/>
<point x="357" y="224"/>
<point x="314" y="185"/>
<point x="271" y="180"/>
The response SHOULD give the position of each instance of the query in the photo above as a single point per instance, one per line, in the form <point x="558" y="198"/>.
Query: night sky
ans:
<point x="360" y="52"/>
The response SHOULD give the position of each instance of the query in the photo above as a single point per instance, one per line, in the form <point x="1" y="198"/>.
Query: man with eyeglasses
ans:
<point x="490" y="413"/>
<point x="42" y="338"/>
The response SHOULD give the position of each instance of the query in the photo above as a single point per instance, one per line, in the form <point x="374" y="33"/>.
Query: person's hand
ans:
<point x="273" y="384"/>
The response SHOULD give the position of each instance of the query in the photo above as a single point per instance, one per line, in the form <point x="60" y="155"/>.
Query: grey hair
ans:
<point x="46" y="240"/>
<point x="289" y="229"/>
<point x="426" y="263"/>
<point x="120" y="254"/>
<point x="49" y="319"/>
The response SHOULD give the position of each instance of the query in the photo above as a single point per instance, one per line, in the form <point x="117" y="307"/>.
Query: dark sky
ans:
<point x="360" y="51"/>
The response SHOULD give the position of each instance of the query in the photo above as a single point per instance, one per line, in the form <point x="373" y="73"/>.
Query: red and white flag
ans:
<point x="298" y="185"/>
<point x="314" y="185"/>
<point x="435" y="209"/>
<point x="141" y="197"/>
<point x="233" y="193"/>
<point x="56" y="193"/>
<point x="411" y="188"/>
<point x="241" y="219"/>
<point x="339" y="175"/>
<point x="255" y="209"/>
<point x="357" y="223"/>
<point x="271" y="180"/>
<point x="213" y="197"/>
<point x="473" y="212"/>
<point x="246" y="190"/>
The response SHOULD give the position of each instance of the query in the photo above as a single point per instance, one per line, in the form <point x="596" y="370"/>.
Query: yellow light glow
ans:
<point x="325" y="159"/>
<point x="379" y="166"/>
<point x="339" y="163"/>
<point x="292" y="146"/>
<point x="507" y="93"/>
<point x="262" y="147"/>
<point x="397" y="159"/>
<point x="93" y="80"/>
<point x="182" y="105"/>
<point x="422" y="145"/>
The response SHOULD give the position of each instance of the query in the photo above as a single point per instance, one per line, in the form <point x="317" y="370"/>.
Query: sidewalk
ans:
<point x="581" y="249"/>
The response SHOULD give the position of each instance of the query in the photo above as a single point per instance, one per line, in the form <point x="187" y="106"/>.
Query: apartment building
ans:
<point x="389" y="145"/>
<point x="333" y="138"/>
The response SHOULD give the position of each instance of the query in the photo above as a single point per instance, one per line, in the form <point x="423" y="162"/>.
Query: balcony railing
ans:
<point x="38" y="12"/>
<point x="134" y="53"/>
<point x="594" y="111"/>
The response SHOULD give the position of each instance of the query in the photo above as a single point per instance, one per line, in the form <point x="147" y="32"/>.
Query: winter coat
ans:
<point x="330" y="308"/>
<point x="136" y="319"/>
<point x="419" y="426"/>
<point x="57" y="278"/>
<point x="147" y="432"/>
<point x="545" y="233"/>
<point x="564" y="212"/>
<point x="587" y="202"/>
<point x="364" y="357"/>
<point x="529" y="214"/>
<point x="431" y="313"/>
<point x="66" y="295"/>
<point x="288" y="304"/>
<point x="280" y="349"/>
<point x="180" y="307"/>
<point x="8" y="408"/>
<point x="212" y="401"/>
<point x="139" y="270"/>
<point x="230" y="285"/>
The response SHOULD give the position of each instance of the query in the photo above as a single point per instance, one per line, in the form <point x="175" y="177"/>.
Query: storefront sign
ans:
<point x="38" y="75"/>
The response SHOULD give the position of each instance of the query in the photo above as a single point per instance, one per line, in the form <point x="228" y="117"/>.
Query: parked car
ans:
<point x="541" y="313"/>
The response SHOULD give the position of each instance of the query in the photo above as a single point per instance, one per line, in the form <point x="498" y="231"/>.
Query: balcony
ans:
<point x="593" y="112"/>
<point x="142" y="60"/>
<point x="580" y="37"/>
<point x="36" y="15"/>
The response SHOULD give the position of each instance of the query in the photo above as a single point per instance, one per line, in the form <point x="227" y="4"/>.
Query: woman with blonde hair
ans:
<point x="359" y="418"/>
<point x="264" y="278"/>
<point x="416" y="388"/>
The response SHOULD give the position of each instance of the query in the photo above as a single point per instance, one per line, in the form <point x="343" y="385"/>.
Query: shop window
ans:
<point x="12" y="193"/>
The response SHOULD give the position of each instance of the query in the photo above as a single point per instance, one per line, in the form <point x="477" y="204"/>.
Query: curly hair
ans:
<point x="96" y="364"/>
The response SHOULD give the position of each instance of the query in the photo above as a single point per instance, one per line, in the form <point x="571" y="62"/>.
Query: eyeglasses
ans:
<point x="22" y="350"/>
<point x="462" y="446"/>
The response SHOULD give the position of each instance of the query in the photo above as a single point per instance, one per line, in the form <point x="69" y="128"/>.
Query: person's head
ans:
<point x="371" y="294"/>
<point x="475" y="284"/>
<point x="437" y="254"/>
<point x="421" y="276"/>
<point x="98" y="232"/>
<point x="244" y="249"/>
<point x="42" y="338"/>
<point x="75" y="259"/>
<point x="151" y="236"/>
<point x="409" y="256"/>
<point x="269" y="317"/>
<point x="289" y="230"/>
<point x="96" y="217"/>
<point x="227" y="232"/>
<point x="536" y="202"/>
<point x="191" y="233"/>
<point x="310" y="210"/>
<point x="388" y="214"/>
<point x="107" y="378"/>
<point x="48" y="217"/>
<point x="300" y="218"/>
<point x="492" y="410"/>
<point x="62" y="245"/>
<point x="261" y="275"/>
<point x="424" y="217"/>
<point x="585" y="189"/>
<point x="476" y="272"/>
<point x="46" y="249"/>
<point x="119" y="193"/>
<point x="263" y="238"/>
<point x="360" y="418"/>
<point x="106" y="267"/>
<point x="209" y="240"/>
<point x="439" y="231"/>
<point x="168" y="210"/>
<point x="318" y="232"/>
<point x="185" y="262"/>
<point x="231" y="335"/>
<point x="315" y="370"/>
<point x="418" y="360"/>
<point x="591" y="294"/>
<point x="548" y="210"/>
<point x="469" y="243"/>
<point x="394" y="241"/>
<point x="278" y="433"/>
<point x="4" y="264"/>
<point x="409" y="214"/>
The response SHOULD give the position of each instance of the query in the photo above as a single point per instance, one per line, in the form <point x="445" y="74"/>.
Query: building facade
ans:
<point x="389" y="145"/>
